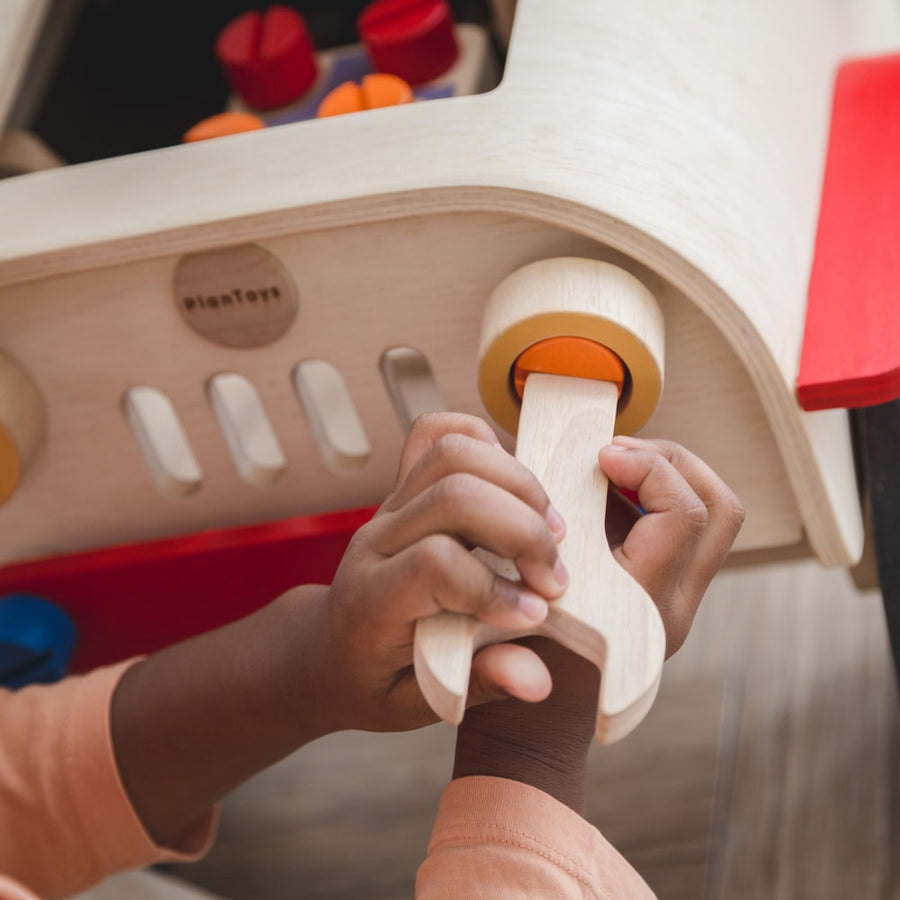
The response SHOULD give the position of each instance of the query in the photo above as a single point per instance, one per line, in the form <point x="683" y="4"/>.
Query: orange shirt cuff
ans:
<point x="62" y="798"/>
<point x="505" y="839"/>
<point x="113" y="819"/>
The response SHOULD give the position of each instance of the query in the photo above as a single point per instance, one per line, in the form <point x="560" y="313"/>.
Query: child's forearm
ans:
<point x="552" y="764"/>
<point x="542" y="744"/>
<point x="195" y="720"/>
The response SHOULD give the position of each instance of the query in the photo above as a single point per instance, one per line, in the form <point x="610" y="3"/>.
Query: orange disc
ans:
<point x="575" y="356"/>
<point x="222" y="125"/>
<point x="345" y="98"/>
<point x="377" y="91"/>
<point x="381" y="89"/>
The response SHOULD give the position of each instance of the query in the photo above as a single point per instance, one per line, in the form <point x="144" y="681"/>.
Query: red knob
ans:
<point x="268" y="58"/>
<point x="413" y="39"/>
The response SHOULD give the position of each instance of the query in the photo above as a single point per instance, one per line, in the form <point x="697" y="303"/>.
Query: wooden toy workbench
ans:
<point x="685" y="143"/>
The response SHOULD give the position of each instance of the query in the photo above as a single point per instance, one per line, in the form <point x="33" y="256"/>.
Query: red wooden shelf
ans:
<point x="138" y="598"/>
<point x="851" y="347"/>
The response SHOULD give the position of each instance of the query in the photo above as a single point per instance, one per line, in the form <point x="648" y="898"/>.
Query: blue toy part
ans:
<point x="37" y="640"/>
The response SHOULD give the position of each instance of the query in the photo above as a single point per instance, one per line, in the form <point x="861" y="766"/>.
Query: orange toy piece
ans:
<point x="575" y="356"/>
<point x="221" y="125"/>
<point x="376" y="91"/>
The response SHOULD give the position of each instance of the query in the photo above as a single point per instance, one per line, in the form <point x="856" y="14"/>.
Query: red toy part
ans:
<point x="268" y="58"/>
<point x="138" y="598"/>
<point x="851" y="348"/>
<point x="413" y="39"/>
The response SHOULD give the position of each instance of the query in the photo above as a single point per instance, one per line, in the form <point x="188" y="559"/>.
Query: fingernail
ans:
<point x="561" y="574"/>
<point x="556" y="522"/>
<point x="532" y="607"/>
<point x="617" y="448"/>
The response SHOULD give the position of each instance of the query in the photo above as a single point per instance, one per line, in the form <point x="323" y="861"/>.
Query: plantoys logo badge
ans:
<point x="235" y="296"/>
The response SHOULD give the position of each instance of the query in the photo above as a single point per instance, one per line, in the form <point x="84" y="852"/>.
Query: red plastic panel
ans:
<point x="138" y="598"/>
<point x="851" y="348"/>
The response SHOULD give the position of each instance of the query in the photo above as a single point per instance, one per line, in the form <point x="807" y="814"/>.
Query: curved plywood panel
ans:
<point x="688" y="138"/>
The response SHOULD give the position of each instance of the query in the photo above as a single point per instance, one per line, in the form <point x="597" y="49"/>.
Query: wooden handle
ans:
<point x="605" y="615"/>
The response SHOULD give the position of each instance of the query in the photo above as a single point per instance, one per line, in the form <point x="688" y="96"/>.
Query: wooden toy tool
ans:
<point x="574" y="334"/>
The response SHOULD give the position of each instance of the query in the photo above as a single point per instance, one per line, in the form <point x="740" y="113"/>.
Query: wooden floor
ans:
<point x="769" y="768"/>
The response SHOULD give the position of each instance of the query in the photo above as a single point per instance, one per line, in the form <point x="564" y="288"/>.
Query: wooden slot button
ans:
<point x="377" y="91"/>
<point x="162" y="441"/>
<point x="332" y="415"/>
<point x="575" y="356"/>
<point x="410" y="382"/>
<point x="222" y="125"/>
<point x="248" y="432"/>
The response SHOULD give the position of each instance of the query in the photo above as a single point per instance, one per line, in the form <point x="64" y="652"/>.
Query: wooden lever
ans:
<point x="604" y="615"/>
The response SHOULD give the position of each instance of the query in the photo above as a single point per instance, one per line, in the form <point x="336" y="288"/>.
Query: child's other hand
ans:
<point x="193" y="721"/>
<point x="674" y="550"/>
<point x="456" y="489"/>
<point x="691" y="521"/>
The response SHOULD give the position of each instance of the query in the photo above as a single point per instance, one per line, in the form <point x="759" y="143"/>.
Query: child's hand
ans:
<point x="193" y="721"/>
<point x="691" y="521"/>
<point x="456" y="488"/>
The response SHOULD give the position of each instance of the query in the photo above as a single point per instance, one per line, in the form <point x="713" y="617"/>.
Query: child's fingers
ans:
<point x="725" y="513"/>
<point x="438" y="574"/>
<point x="508" y="670"/>
<point x="460" y="453"/>
<point x="659" y="547"/>
<point x="428" y="429"/>
<point x="483" y="515"/>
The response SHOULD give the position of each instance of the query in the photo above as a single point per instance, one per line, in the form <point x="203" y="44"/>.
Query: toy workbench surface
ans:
<point x="240" y="330"/>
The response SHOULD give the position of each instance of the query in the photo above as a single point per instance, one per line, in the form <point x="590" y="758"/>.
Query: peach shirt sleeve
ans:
<point x="67" y="823"/>
<point x="65" y="819"/>
<point x="509" y="841"/>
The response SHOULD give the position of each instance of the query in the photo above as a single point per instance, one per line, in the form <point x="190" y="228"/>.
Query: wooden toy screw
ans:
<point x="573" y="335"/>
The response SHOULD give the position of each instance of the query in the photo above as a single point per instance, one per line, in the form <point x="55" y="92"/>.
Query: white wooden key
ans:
<point x="604" y="615"/>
